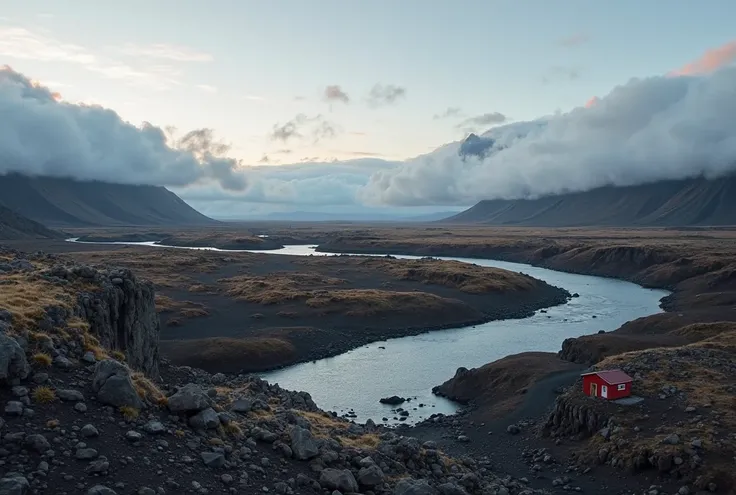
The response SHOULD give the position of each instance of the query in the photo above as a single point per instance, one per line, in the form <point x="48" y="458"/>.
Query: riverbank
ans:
<point x="248" y="312"/>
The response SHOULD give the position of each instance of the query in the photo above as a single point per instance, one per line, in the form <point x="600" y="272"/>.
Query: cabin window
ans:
<point x="622" y="387"/>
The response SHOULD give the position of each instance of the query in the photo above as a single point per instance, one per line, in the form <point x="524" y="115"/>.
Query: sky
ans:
<point x="326" y="104"/>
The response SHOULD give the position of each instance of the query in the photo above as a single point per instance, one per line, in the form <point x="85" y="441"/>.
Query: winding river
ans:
<point x="353" y="382"/>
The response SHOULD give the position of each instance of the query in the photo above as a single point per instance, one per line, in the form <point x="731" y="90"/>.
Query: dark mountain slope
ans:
<point x="666" y="203"/>
<point x="14" y="226"/>
<point x="70" y="203"/>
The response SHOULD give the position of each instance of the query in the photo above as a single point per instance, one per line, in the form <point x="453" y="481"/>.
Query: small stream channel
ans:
<point x="354" y="382"/>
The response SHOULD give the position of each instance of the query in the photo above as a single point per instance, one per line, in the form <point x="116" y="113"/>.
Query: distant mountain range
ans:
<point x="692" y="202"/>
<point x="318" y="216"/>
<point x="15" y="226"/>
<point x="58" y="203"/>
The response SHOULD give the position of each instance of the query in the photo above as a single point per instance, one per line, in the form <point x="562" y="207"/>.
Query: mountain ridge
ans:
<point x="687" y="202"/>
<point x="61" y="202"/>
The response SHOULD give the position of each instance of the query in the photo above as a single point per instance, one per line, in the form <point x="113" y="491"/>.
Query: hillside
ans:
<point x="668" y="203"/>
<point x="14" y="226"/>
<point x="58" y="202"/>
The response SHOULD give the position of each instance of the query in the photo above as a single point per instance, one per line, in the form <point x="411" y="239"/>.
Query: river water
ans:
<point x="411" y="366"/>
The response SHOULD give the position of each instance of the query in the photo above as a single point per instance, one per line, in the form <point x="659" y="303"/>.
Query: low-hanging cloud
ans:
<point x="646" y="130"/>
<point x="41" y="135"/>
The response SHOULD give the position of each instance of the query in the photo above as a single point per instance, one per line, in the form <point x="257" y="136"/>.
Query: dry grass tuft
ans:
<point x="368" y="441"/>
<point x="323" y="424"/>
<point x="233" y="429"/>
<point x="42" y="359"/>
<point x="147" y="390"/>
<point x="193" y="312"/>
<point x="179" y="433"/>
<point x="52" y="423"/>
<point x="129" y="413"/>
<point x="43" y="395"/>
<point x="118" y="355"/>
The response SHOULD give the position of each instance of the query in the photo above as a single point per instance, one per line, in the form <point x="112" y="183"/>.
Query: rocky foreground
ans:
<point x="89" y="407"/>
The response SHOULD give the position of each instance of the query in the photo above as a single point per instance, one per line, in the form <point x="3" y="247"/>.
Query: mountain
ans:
<point x="690" y="202"/>
<point x="14" y="226"/>
<point x="59" y="202"/>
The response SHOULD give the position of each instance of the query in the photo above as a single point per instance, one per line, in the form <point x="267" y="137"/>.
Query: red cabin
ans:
<point x="608" y="384"/>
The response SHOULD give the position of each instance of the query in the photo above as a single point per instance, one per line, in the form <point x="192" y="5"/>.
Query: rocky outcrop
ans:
<point x="121" y="312"/>
<point x="572" y="417"/>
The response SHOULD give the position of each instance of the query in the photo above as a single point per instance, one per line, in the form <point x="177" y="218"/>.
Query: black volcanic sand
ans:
<point x="238" y="336"/>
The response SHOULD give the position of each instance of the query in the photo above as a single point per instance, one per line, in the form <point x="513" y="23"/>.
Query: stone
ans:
<point x="394" y="400"/>
<point x="370" y="476"/>
<point x="85" y="454"/>
<point x="101" y="490"/>
<point x="303" y="444"/>
<point x="672" y="439"/>
<point x="38" y="443"/>
<point x="416" y="487"/>
<point x="207" y="419"/>
<point x="112" y="384"/>
<point x="89" y="431"/>
<point x="264" y="435"/>
<point x="513" y="429"/>
<point x="213" y="459"/>
<point x="189" y="398"/>
<point x="13" y="362"/>
<point x="14" y="485"/>
<point x="70" y="395"/>
<point x="242" y="406"/>
<point x="14" y="408"/>
<point x="338" y="479"/>
<point x="154" y="427"/>
<point x="133" y="436"/>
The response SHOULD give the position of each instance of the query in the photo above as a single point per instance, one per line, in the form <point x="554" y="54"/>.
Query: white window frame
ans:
<point x="621" y="387"/>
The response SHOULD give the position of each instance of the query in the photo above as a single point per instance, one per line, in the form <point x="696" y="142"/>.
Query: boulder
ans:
<point x="338" y="479"/>
<point x="303" y="443"/>
<point x="14" y="485"/>
<point x="112" y="384"/>
<point x="370" y="476"/>
<point x="205" y="420"/>
<point x="13" y="362"/>
<point x="189" y="398"/>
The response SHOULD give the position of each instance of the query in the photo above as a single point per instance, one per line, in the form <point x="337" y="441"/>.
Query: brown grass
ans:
<point x="277" y="287"/>
<point x="166" y="268"/>
<point x="323" y="424"/>
<point x="129" y="413"/>
<point x="27" y="297"/>
<point x="42" y="359"/>
<point x="43" y="395"/>
<point x="369" y="302"/>
<point x="147" y="390"/>
<point x="367" y="441"/>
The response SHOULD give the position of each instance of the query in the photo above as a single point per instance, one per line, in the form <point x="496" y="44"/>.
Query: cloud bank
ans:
<point x="646" y="130"/>
<point x="41" y="135"/>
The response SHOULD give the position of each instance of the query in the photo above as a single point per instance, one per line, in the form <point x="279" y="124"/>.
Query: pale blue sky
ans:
<point x="249" y="60"/>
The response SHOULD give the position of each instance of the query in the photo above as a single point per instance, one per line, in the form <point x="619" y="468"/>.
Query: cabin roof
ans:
<point x="611" y="377"/>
